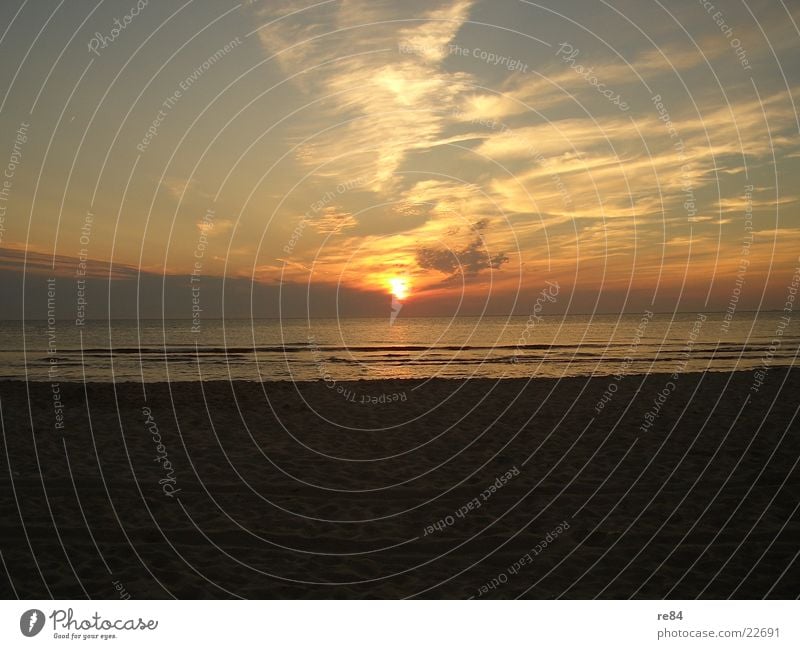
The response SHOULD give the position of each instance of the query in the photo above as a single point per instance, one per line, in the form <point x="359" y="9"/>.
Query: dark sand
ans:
<point x="704" y="504"/>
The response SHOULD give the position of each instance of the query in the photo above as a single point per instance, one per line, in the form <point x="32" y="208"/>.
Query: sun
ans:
<point x="398" y="286"/>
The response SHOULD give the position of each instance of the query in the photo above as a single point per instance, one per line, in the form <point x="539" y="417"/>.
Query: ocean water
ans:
<point x="368" y="348"/>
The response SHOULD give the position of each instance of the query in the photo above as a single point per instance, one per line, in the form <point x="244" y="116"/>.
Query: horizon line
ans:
<point x="375" y="317"/>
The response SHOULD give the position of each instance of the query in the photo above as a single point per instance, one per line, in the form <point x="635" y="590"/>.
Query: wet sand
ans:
<point x="386" y="489"/>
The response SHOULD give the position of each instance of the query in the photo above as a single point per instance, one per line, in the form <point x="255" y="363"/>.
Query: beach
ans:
<point x="473" y="488"/>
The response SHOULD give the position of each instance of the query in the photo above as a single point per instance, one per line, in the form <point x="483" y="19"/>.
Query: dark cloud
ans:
<point x="17" y="259"/>
<point x="467" y="261"/>
<point x="26" y="295"/>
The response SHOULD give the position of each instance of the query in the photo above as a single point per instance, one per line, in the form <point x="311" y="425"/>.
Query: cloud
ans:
<point x="609" y="167"/>
<point x="740" y="203"/>
<point x="461" y="202"/>
<point x="42" y="263"/>
<point x="332" y="221"/>
<point x="178" y="187"/>
<point x="214" y="228"/>
<point x="382" y="101"/>
<point x="429" y="41"/>
<point x="554" y="83"/>
<point x="468" y="261"/>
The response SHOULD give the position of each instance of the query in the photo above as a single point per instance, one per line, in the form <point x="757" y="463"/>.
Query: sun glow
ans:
<point x="398" y="286"/>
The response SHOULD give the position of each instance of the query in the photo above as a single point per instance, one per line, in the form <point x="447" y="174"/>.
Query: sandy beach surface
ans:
<point x="682" y="488"/>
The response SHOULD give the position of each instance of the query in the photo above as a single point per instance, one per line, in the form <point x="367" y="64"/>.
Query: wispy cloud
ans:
<point x="332" y="221"/>
<point x="42" y="263"/>
<point x="384" y="103"/>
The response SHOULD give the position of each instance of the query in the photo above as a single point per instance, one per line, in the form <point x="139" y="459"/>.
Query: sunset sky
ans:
<point x="468" y="151"/>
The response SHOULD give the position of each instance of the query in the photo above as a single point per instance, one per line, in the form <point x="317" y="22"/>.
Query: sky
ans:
<point x="293" y="158"/>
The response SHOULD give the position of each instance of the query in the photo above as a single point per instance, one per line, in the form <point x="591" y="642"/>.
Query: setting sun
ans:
<point x="398" y="286"/>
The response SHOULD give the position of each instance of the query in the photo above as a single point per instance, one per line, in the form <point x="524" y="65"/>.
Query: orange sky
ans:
<point x="466" y="149"/>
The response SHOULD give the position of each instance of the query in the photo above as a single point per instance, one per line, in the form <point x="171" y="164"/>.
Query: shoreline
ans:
<point x="590" y="377"/>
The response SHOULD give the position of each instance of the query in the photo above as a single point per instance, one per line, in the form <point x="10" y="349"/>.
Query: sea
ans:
<point x="415" y="348"/>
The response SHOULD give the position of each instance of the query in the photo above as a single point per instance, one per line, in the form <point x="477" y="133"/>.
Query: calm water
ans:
<point x="410" y="348"/>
